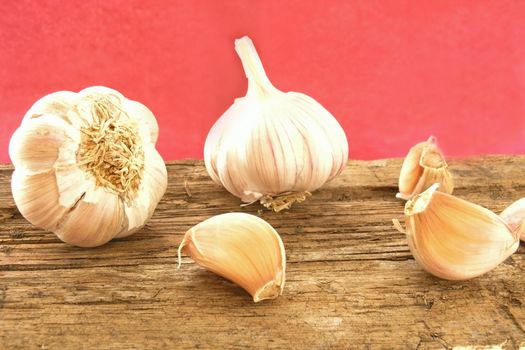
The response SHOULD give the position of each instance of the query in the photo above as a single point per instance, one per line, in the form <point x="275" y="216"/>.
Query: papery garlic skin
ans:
<point x="424" y="166"/>
<point x="271" y="142"/>
<point x="514" y="216"/>
<point x="454" y="239"/>
<point x="86" y="167"/>
<point x="242" y="248"/>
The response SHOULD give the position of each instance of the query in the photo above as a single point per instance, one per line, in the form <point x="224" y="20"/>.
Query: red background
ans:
<point x="392" y="72"/>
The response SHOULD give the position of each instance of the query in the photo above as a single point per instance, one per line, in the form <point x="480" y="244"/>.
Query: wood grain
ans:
<point x="351" y="281"/>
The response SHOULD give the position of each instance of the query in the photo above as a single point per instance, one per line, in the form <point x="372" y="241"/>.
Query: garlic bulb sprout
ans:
<point x="242" y="248"/>
<point x="454" y="239"/>
<point x="272" y="146"/>
<point x="86" y="167"/>
<point x="423" y="166"/>
<point x="514" y="216"/>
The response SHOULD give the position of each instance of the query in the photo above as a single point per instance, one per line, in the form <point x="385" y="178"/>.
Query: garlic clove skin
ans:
<point x="423" y="166"/>
<point x="36" y="147"/>
<point x="153" y="186"/>
<point x="37" y="198"/>
<point x="96" y="153"/>
<point x="96" y="219"/>
<point x="242" y="248"/>
<point x="454" y="239"/>
<point x="144" y="117"/>
<point x="59" y="104"/>
<point x="270" y="143"/>
<point x="514" y="216"/>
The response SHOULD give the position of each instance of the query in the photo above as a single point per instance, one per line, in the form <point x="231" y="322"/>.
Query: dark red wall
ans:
<point x="392" y="72"/>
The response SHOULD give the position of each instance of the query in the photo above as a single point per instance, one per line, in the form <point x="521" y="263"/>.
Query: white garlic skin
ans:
<point x="54" y="192"/>
<point x="271" y="142"/>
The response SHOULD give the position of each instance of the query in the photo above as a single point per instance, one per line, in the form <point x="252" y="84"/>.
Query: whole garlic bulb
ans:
<point x="86" y="167"/>
<point x="271" y="143"/>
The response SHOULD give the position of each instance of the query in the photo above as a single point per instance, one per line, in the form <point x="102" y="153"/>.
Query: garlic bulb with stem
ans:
<point x="514" y="216"/>
<point x="454" y="239"/>
<point x="242" y="248"/>
<point x="272" y="146"/>
<point x="86" y="167"/>
<point x="423" y="166"/>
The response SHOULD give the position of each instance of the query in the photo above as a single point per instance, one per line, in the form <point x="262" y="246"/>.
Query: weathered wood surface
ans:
<point x="351" y="281"/>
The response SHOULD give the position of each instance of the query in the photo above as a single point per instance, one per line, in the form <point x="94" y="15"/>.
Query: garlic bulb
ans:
<point x="423" y="166"/>
<point x="514" y="216"/>
<point x="86" y="167"/>
<point x="273" y="146"/>
<point x="241" y="248"/>
<point x="455" y="239"/>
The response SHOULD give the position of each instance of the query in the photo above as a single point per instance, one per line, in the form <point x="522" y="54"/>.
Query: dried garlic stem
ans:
<point x="258" y="81"/>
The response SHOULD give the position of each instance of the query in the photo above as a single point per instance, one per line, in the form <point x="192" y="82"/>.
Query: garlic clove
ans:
<point x="72" y="184"/>
<point x="97" y="102"/>
<point x="153" y="187"/>
<point x="35" y="147"/>
<point x="411" y="170"/>
<point x="334" y="132"/>
<point x="99" y="90"/>
<point x="423" y="166"/>
<point x="144" y="117"/>
<point x="94" y="220"/>
<point x="454" y="239"/>
<point x="59" y="103"/>
<point x="242" y="248"/>
<point x="271" y="145"/>
<point x="514" y="216"/>
<point x="37" y="198"/>
<point x="155" y="173"/>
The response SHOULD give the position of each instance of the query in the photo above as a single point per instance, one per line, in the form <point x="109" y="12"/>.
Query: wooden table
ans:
<point x="351" y="280"/>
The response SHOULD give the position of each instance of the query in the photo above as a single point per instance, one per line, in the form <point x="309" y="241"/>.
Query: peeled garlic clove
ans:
<point x="86" y="166"/>
<point x="514" y="216"/>
<point x="241" y="248"/>
<point x="273" y="146"/>
<point x="423" y="166"/>
<point x="455" y="239"/>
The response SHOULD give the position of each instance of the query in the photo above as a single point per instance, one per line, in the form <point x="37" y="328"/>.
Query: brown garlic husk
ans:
<point x="86" y="167"/>
<point x="242" y="248"/>
<point x="423" y="166"/>
<point x="455" y="239"/>
<point x="514" y="216"/>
